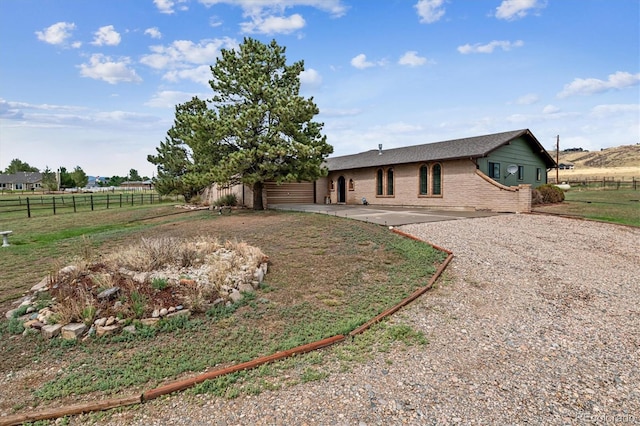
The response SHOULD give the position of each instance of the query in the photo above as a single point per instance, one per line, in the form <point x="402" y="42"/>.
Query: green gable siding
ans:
<point x="520" y="153"/>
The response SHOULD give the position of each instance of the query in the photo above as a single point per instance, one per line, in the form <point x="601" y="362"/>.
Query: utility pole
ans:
<point x="557" y="159"/>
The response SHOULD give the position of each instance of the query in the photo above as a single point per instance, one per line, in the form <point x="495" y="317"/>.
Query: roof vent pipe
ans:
<point x="379" y="149"/>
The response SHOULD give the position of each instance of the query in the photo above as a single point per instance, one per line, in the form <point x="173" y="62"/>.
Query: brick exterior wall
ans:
<point x="463" y="188"/>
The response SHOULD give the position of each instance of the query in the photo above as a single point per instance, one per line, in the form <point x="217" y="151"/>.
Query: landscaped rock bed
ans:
<point x="139" y="286"/>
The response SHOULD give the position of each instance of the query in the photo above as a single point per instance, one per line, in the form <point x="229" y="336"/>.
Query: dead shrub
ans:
<point x="148" y="255"/>
<point x="73" y="304"/>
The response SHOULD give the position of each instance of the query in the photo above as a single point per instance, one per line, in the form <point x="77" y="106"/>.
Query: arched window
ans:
<point x="436" y="178"/>
<point x="390" y="182"/>
<point x="379" y="182"/>
<point x="424" y="173"/>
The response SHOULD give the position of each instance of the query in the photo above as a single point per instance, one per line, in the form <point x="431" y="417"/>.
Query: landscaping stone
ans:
<point x="73" y="331"/>
<point x="108" y="293"/>
<point x="100" y="322"/>
<point x="245" y="288"/>
<point x="163" y="312"/>
<point x="51" y="330"/>
<point x="10" y="313"/>
<point x="69" y="269"/>
<point x="41" y="286"/>
<point x="150" y="322"/>
<point x="259" y="274"/>
<point x="110" y="321"/>
<point x="107" y="330"/>
<point x="184" y="312"/>
<point x="130" y="329"/>
<point x="235" y="296"/>
<point x="155" y="313"/>
<point x="140" y="277"/>
<point x="34" y="323"/>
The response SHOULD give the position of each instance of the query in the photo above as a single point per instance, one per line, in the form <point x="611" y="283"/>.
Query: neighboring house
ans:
<point x="21" y="181"/>
<point x="565" y="166"/>
<point x="145" y="184"/>
<point x="492" y="172"/>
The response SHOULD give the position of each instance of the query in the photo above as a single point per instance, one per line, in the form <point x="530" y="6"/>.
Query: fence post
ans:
<point x="131" y="198"/>
<point x="107" y="201"/>
<point x="28" y="208"/>
<point x="73" y="201"/>
<point x="91" y="200"/>
<point x="53" y="199"/>
<point x="120" y="200"/>
<point x="142" y="198"/>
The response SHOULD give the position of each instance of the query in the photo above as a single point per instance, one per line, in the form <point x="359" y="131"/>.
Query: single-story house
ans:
<point x="566" y="166"/>
<point x="21" y="181"/>
<point x="493" y="172"/>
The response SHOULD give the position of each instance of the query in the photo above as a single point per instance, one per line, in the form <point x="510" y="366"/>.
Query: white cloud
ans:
<point x="310" y="78"/>
<point x="215" y="21"/>
<point x="153" y="32"/>
<point x="528" y="99"/>
<point x="106" y="35"/>
<point x="590" y="86"/>
<point x="261" y="7"/>
<point x="170" y="98"/>
<point x="514" y="9"/>
<point x="167" y="6"/>
<point x="360" y="62"/>
<point x="184" y="53"/>
<point x="550" y="109"/>
<point x="412" y="59"/>
<point x="200" y="74"/>
<point x="273" y="24"/>
<point x="268" y="16"/>
<point x="603" y="111"/>
<point x="489" y="47"/>
<point x="398" y="127"/>
<point x="10" y="111"/>
<point x="57" y="34"/>
<point x="101" y="67"/>
<point x="332" y="112"/>
<point x="430" y="11"/>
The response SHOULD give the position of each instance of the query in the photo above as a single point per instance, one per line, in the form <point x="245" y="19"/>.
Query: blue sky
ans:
<point x="95" y="83"/>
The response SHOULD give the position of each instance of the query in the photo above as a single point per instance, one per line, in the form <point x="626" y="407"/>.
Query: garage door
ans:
<point x="290" y="193"/>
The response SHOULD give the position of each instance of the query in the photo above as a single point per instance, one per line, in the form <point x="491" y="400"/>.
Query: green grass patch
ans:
<point x="607" y="205"/>
<point x="365" y="269"/>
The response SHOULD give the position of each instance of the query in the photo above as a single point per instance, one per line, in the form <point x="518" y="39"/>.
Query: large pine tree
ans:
<point x="258" y="129"/>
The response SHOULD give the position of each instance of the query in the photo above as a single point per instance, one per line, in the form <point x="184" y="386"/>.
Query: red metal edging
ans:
<point x="53" y="413"/>
<point x="419" y="292"/>
<point x="186" y="383"/>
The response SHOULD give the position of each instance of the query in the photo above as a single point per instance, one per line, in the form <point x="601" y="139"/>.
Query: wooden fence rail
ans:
<point x="58" y="204"/>
<point x="600" y="182"/>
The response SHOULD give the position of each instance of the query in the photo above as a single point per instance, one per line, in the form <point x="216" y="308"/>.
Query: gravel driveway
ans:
<point x="536" y="321"/>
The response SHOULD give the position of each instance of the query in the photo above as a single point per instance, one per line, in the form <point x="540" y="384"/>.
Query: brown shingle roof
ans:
<point x="474" y="147"/>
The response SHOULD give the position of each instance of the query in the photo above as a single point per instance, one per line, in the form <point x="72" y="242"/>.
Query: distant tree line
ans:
<point x="76" y="178"/>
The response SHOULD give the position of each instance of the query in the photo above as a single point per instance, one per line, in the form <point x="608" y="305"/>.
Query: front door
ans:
<point x="342" y="188"/>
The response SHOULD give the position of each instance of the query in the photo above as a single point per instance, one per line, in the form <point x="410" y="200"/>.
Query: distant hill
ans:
<point x="622" y="162"/>
<point x="620" y="156"/>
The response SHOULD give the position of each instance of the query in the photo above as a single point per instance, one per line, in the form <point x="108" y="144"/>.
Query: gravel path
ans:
<point x="536" y="321"/>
